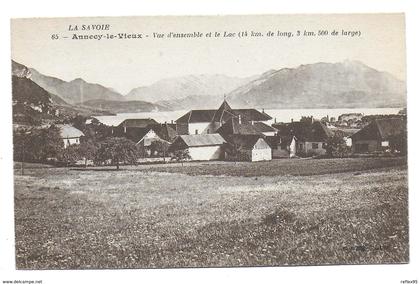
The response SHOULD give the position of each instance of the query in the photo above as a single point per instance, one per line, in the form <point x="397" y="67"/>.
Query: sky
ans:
<point x="130" y="63"/>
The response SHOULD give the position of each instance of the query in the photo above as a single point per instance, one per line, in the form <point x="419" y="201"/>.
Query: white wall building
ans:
<point x="69" y="134"/>
<point x="203" y="147"/>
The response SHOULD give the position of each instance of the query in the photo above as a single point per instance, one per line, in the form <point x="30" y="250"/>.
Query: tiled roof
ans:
<point x="262" y="127"/>
<point x="165" y="131"/>
<point x="198" y="115"/>
<point x="252" y="114"/>
<point x="136" y="134"/>
<point x="304" y="131"/>
<point x="382" y="129"/>
<point x="138" y="122"/>
<point x="244" y="141"/>
<point x="233" y="127"/>
<point x="223" y="114"/>
<point x="201" y="140"/>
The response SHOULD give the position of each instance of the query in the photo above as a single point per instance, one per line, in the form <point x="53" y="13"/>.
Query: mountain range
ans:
<point x="75" y="91"/>
<point x="178" y="88"/>
<point x="348" y="84"/>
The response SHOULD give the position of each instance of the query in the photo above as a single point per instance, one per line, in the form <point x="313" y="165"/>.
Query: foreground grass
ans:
<point x="296" y="167"/>
<point x="138" y="219"/>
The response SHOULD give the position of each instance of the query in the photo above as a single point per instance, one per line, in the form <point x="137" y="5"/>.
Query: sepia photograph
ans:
<point x="209" y="141"/>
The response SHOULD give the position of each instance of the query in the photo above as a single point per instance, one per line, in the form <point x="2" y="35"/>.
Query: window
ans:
<point x="283" y="146"/>
<point x="314" y="145"/>
<point x="301" y="146"/>
<point x="324" y="145"/>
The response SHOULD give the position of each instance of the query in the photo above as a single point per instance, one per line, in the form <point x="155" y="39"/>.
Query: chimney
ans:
<point x="312" y="119"/>
<point x="291" y="120"/>
<point x="125" y="129"/>
<point x="275" y="120"/>
<point x="262" y="110"/>
<point x="172" y="121"/>
<point x="239" y="118"/>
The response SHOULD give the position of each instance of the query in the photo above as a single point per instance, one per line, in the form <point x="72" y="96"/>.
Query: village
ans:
<point x="243" y="135"/>
<point x="218" y="187"/>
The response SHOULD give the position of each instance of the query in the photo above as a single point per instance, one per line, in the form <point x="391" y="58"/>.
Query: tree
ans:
<point x="97" y="131"/>
<point x="160" y="147"/>
<point x="37" y="145"/>
<point x="336" y="146"/>
<point x="182" y="155"/>
<point x="51" y="143"/>
<point x="71" y="154"/>
<point x="117" y="150"/>
<point x="88" y="150"/>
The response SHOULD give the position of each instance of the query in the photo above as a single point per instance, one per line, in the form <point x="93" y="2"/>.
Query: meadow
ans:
<point x="283" y="212"/>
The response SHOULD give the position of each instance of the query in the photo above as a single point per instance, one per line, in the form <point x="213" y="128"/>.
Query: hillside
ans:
<point x="75" y="91"/>
<point x="32" y="103"/>
<point x="322" y="85"/>
<point x="124" y="106"/>
<point x="173" y="89"/>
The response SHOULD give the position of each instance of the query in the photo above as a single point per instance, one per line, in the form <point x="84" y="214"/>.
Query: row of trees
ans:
<point x="46" y="146"/>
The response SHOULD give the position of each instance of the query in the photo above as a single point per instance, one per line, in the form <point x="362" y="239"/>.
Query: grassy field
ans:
<point x="171" y="216"/>
<point x="294" y="167"/>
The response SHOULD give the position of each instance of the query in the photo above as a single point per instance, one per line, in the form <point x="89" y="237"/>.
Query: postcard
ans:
<point x="209" y="141"/>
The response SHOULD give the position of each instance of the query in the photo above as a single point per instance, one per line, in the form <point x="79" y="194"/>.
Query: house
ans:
<point x="380" y="135"/>
<point x="131" y="125"/>
<point x="202" y="147"/>
<point x="208" y="121"/>
<point x="70" y="134"/>
<point x="240" y="135"/>
<point x="233" y="127"/>
<point x="144" y="132"/>
<point x="282" y="146"/>
<point x="247" y="148"/>
<point x="144" y="137"/>
<point x="265" y="129"/>
<point x="311" y="136"/>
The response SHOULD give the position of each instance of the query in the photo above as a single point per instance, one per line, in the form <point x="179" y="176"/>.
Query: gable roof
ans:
<point x="262" y="127"/>
<point x="201" y="140"/>
<point x="138" y="122"/>
<point x="197" y="115"/>
<point x="165" y="131"/>
<point x="68" y="131"/>
<point x="222" y="114"/>
<point x="251" y="114"/>
<point x="233" y="127"/>
<point x="304" y="131"/>
<point x="136" y="134"/>
<point x="276" y="141"/>
<point x="382" y="129"/>
<point x="245" y="141"/>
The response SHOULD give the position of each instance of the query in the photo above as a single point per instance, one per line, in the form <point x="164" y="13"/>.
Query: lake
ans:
<point x="279" y="115"/>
